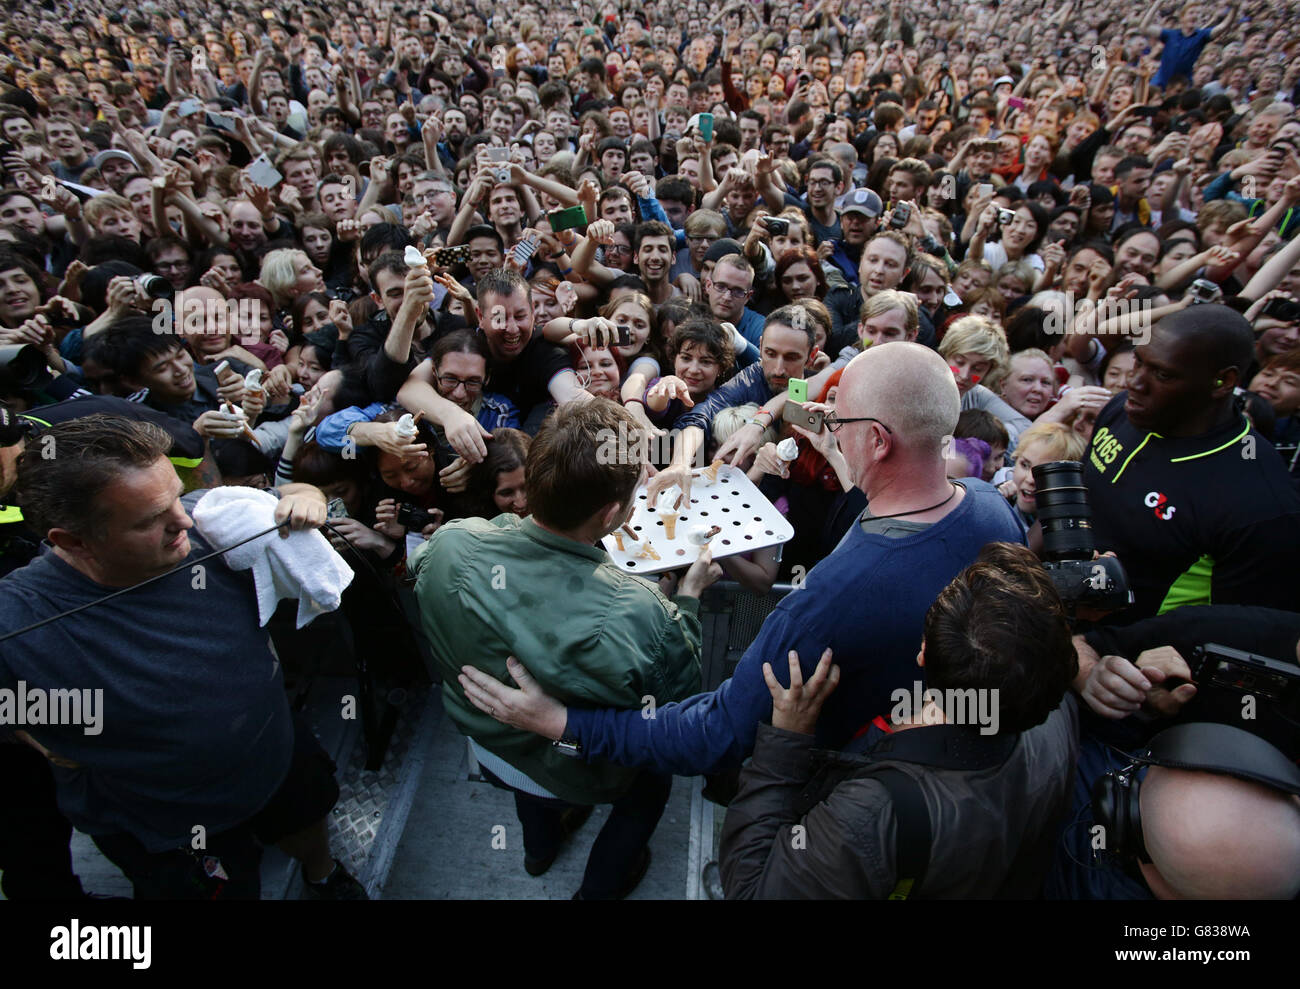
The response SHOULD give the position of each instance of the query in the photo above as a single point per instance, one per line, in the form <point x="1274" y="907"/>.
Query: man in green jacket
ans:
<point x="543" y="590"/>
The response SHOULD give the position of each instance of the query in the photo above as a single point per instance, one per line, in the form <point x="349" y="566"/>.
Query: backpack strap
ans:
<point x="912" y="827"/>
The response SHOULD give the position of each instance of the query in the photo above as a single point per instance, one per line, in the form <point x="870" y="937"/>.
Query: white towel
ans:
<point x="303" y="566"/>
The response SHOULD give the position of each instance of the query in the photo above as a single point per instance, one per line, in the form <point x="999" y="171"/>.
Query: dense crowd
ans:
<point x="408" y="270"/>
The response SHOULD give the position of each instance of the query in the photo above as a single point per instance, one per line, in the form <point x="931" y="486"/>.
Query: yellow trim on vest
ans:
<point x="1124" y="466"/>
<point x="1236" y="439"/>
<point x="1191" y="587"/>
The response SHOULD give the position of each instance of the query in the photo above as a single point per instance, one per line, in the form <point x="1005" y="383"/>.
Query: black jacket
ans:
<point x="992" y="830"/>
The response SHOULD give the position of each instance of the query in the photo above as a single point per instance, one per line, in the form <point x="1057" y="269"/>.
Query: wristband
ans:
<point x="567" y="271"/>
<point x="629" y="401"/>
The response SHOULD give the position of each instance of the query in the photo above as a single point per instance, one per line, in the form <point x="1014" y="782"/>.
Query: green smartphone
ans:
<point x="797" y="390"/>
<point x="568" y="218"/>
<point x="706" y="126"/>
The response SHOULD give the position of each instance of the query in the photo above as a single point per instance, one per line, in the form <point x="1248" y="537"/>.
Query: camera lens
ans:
<point x="1063" y="510"/>
<point x="155" y="286"/>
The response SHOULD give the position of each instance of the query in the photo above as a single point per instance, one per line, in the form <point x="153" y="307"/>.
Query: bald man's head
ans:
<point x="906" y="385"/>
<point x="1215" y="837"/>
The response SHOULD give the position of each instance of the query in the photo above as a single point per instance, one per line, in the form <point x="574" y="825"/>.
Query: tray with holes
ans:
<point x="746" y="521"/>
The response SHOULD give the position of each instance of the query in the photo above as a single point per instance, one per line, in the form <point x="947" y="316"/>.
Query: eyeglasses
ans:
<point x="617" y="249"/>
<point x="428" y="197"/>
<point x="449" y="383"/>
<point x="706" y="239"/>
<point x="834" y="422"/>
<point x="734" y="291"/>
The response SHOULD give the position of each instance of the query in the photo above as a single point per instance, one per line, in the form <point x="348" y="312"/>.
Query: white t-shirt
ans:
<point x="996" y="255"/>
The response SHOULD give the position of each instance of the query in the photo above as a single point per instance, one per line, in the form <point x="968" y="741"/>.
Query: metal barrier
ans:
<point x="730" y="618"/>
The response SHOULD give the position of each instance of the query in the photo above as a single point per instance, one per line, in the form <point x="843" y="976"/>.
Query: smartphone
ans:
<point x="221" y="121"/>
<point x="569" y="218"/>
<point x="336" y="509"/>
<point x="622" y="336"/>
<point x="984" y="190"/>
<point x="189" y="107"/>
<point x="263" y="173"/>
<point x="705" y="122"/>
<point x="445" y="257"/>
<point x="794" y="413"/>
<point x="524" y="250"/>
<point x="899" y="216"/>
<point x="796" y="391"/>
<point x="1016" y="102"/>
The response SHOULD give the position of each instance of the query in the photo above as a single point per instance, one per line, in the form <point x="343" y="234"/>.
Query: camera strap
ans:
<point x="951" y="747"/>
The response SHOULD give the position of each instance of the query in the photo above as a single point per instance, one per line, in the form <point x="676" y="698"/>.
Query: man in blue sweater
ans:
<point x="866" y="602"/>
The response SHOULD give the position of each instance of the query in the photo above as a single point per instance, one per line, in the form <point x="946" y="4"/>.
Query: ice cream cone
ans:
<point x="669" y="519"/>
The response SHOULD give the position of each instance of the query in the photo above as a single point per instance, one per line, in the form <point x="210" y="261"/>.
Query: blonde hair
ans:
<point x="727" y="421"/>
<point x="98" y="207"/>
<point x="279" y="274"/>
<point x="1060" y="441"/>
<point x="888" y="300"/>
<point x="1036" y="354"/>
<point x="981" y="336"/>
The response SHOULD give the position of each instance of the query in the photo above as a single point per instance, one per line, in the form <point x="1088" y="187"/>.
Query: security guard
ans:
<point x="1196" y="503"/>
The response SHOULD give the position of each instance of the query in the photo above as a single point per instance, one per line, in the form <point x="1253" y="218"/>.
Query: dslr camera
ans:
<point x="414" y="519"/>
<point x="1231" y="672"/>
<point x="1066" y="517"/>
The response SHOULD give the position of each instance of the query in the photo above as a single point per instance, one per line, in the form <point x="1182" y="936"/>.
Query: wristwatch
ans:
<point x="567" y="745"/>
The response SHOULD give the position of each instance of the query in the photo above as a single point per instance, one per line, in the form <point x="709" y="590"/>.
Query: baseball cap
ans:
<point x="860" y="201"/>
<point x="1001" y="80"/>
<point x="719" y="249"/>
<point x="109" y="155"/>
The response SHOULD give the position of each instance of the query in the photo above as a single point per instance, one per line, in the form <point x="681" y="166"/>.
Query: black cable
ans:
<point x="191" y="563"/>
<point x="144" y="583"/>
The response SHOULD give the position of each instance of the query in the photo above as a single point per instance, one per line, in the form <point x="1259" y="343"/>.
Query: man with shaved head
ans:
<point x="1195" y="502"/>
<point x="866" y="602"/>
<point x="1192" y="828"/>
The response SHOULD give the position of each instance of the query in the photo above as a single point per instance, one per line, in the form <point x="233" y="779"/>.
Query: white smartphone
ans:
<point x="263" y="173"/>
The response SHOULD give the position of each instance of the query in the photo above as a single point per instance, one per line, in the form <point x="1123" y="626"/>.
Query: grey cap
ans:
<point x="109" y="155"/>
<point x="860" y="201"/>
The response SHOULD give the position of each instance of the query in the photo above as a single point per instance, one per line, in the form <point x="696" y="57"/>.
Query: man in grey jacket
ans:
<point x="988" y="759"/>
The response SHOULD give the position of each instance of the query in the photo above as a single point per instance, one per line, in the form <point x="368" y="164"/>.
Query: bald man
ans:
<point x="1192" y="828"/>
<point x="897" y="406"/>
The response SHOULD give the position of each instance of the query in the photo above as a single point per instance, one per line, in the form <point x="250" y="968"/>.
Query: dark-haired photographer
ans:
<point x="921" y="806"/>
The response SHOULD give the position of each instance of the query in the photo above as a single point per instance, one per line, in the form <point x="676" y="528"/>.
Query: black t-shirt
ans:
<point x="1195" y="520"/>
<point x="187" y="445"/>
<point x="204" y="399"/>
<point x="525" y="380"/>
